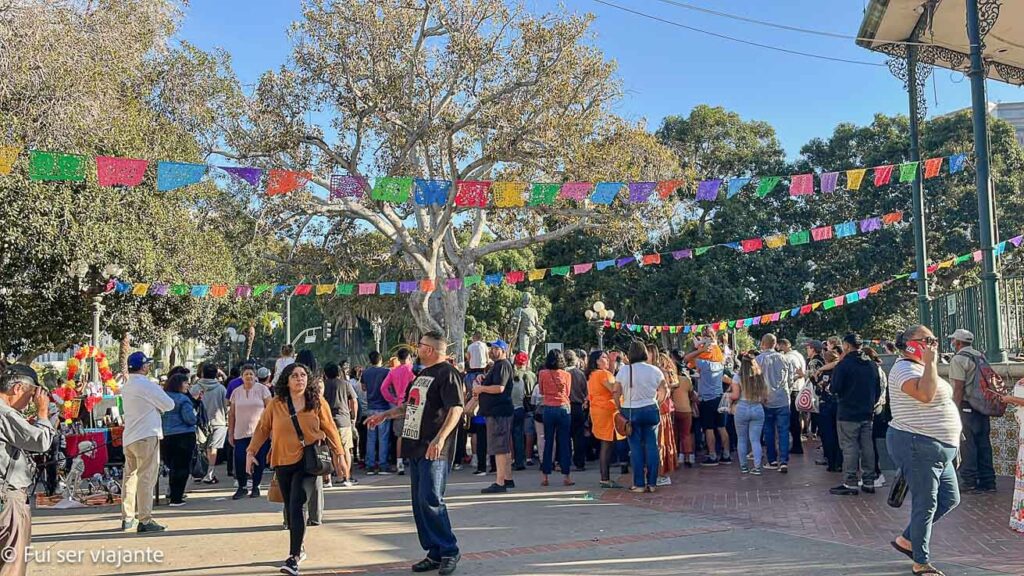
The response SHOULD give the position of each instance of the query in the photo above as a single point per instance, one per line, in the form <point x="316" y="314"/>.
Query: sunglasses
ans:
<point x="929" y="340"/>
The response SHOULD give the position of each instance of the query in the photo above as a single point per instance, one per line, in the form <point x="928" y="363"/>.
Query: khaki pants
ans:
<point x="141" y="470"/>
<point x="15" y="533"/>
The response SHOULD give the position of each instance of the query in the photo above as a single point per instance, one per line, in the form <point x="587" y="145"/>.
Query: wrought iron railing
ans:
<point x="962" y="309"/>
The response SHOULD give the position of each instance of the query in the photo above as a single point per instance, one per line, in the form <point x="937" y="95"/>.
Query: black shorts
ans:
<point x="710" y="417"/>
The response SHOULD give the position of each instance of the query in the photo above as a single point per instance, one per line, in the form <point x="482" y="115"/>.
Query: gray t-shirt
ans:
<point x="337" y="392"/>
<point x="778" y="374"/>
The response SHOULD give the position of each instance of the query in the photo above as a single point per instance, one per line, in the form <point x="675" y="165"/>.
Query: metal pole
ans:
<point x="917" y="191"/>
<point x="97" y="308"/>
<point x="986" y="204"/>
<point x="600" y="335"/>
<point x="288" y="319"/>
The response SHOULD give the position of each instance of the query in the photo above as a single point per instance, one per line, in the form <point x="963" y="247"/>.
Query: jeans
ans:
<point x="927" y="464"/>
<point x="643" y="444"/>
<point x="828" y="428"/>
<point x="976" y="471"/>
<point x="241" y="445"/>
<point x="557" y="430"/>
<point x="428" y="480"/>
<point x="579" y="439"/>
<point x="176" y="451"/>
<point x="749" y="424"/>
<point x="377" y="441"/>
<point x="519" y="438"/>
<point x="858" y="451"/>
<point x="776" y="423"/>
<point x="296" y="486"/>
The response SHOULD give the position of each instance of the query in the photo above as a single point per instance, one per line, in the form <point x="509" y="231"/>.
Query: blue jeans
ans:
<point x="557" y="427"/>
<point x="927" y="464"/>
<point x="643" y="444"/>
<point x="241" y="445"/>
<point x="776" y="423"/>
<point x="377" y="438"/>
<point x="428" y="480"/>
<point x="749" y="424"/>
<point x="519" y="437"/>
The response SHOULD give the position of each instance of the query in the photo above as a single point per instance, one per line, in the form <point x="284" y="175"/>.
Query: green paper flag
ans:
<point x="801" y="237"/>
<point x="961" y="259"/>
<point x="543" y="193"/>
<point x="392" y="189"/>
<point x="180" y="289"/>
<point x="560" y="271"/>
<point x="700" y="251"/>
<point x="901" y="276"/>
<point x="56" y="167"/>
<point x="259" y="289"/>
<point x="829" y="304"/>
<point x="908" y="171"/>
<point x="766" y="185"/>
<point x="471" y="280"/>
<point x="345" y="289"/>
<point x="732" y="323"/>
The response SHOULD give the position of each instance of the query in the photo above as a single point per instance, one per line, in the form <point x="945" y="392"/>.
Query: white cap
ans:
<point x="962" y="335"/>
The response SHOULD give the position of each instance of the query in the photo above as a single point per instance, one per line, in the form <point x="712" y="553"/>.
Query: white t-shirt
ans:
<point x="937" y="419"/>
<point x="644" y="387"/>
<point x="280" y="365"/>
<point x="797" y="364"/>
<point x="143" y="401"/>
<point x="477" y="355"/>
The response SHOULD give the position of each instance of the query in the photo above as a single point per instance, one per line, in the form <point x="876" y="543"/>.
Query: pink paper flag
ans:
<point x="883" y="175"/>
<point x="801" y="185"/>
<point x="120" y="171"/>
<point x="367" y="289"/>
<point x="582" y="268"/>
<point x="822" y="233"/>
<point x="577" y="191"/>
<point x="977" y="256"/>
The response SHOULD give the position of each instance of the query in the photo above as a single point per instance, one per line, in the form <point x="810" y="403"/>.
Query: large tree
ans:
<point x="453" y="90"/>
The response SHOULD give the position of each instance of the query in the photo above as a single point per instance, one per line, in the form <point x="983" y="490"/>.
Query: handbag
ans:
<point x="200" y="466"/>
<point x="316" y="457"/>
<point x="807" y="400"/>
<point x="725" y="404"/>
<point x="898" y="491"/>
<point x="275" y="494"/>
<point x="623" y="427"/>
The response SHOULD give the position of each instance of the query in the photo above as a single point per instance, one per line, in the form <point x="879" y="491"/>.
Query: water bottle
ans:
<point x="898" y="491"/>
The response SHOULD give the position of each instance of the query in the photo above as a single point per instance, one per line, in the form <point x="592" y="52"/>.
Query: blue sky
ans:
<point x="667" y="70"/>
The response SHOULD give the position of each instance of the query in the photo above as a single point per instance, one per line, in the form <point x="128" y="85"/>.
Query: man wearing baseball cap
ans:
<point x="494" y="393"/>
<point x="18" y="386"/>
<point x="977" y="473"/>
<point x="143" y="402"/>
<point x="523" y="383"/>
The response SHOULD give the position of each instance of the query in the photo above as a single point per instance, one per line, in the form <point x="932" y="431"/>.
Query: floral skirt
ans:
<point x="1017" y="511"/>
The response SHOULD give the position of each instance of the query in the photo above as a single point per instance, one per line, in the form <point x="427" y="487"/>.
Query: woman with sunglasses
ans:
<point x="922" y="439"/>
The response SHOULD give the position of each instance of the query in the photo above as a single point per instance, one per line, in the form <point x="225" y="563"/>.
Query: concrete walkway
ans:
<point x="533" y="530"/>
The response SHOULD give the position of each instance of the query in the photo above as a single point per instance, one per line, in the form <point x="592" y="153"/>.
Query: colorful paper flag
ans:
<point x="543" y="194"/>
<point x="883" y="175"/>
<point x="776" y="241"/>
<point x="682" y="254"/>
<point x="578" y="269"/>
<point x="303" y="290"/>
<point x="801" y="237"/>
<point x="908" y="171"/>
<point x="345" y="290"/>
<point x="515" y="277"/>
<point x="259" y="289"/>
<point x="244" y="173"/>
<point x="432" y="192"/>
<point x="752" y="245"/>
<point x="509" y="194"/>
<point x="932" y="167"/>
<point x="957" y="162"/>
<point x="708" y="189"/>
<point x="493" y="279"/>
<point x="892" y="218"/>
<point x="605" y="192"/>
<point x="427" y="285"/>
<point x="577" y="191"/>
<point x="471" y="193"/>
<point x="735" y="184"/>
<point x="854" y="178"/>
<point x="560" y="271"/>
<point x="370" y="287"/>
<point x="766" y="184"/>
<point x="640" y="192"/>
<point x="394" y="189"/>
<point x="281" y="182"/>
<point x="801" y="184"/>
<point x="8" y="154"/>
<point x="159" y="289"/>
<point x="172" y="175"/>
<point x="603" y="264"/>
<point x="243" y="291"/>
<point x="651" y="259"/>
<point x="701" y="250"/>
<point x="846" y="229"/>
<point x="870" y="224"/>
<point x="218" y="290"/>
<point x="625" y="260"/>
<point x="388" y="288"/>
<point x="111" y="171"/>
<point x="200" y="290"/>
<point x="346" y="186"/>
<point x="821" y="233"/>
<point x="55" y="167"/>
<point x="667" y="188"/>
<point x="324" y="289"/>
<point x="140" y="289"/>
<point x="470" y="281"/>
<point x="407" y="286"/>
<point x="537" y="274"/>
<point x="829" y="181"/>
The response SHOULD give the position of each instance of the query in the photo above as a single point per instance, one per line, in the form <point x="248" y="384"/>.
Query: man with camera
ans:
<point x="19" y="385"/>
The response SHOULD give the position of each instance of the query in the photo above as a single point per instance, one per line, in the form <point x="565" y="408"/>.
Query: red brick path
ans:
<point x="975" y="534"/>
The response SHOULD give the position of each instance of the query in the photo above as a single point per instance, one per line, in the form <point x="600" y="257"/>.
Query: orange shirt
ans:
<point x="276" y="424"/>
<point x="711" y="354"/>
<point x="600" y="396"/>
<point x="554" y="387"/>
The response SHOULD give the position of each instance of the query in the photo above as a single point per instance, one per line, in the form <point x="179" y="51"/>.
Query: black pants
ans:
<point x="481" y="446"/>
<point x="796" y="446"/>
<point x="577" y="428"/>
<point x="176" y="451"/>
<point x="460" y="443"/>
<point x="977" y="470"/>
<point x="830" y="434"/>
<point x="296" y="486"/>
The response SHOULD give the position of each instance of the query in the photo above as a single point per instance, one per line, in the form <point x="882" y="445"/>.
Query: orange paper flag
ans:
<point x="281" y="182"/>
<point x="932" y="166"/>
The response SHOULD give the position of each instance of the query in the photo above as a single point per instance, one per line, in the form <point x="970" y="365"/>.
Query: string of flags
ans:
<point x="512" y="277"/>
<point x="804" y="309"/>
<point x="45" y="166"/>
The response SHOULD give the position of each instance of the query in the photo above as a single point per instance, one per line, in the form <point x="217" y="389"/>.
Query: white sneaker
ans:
<point x="664" y="481"/>
<point x="401" y="466"/>
<point x="880" y="481"/>
<point x="347" y="484"/>
<point x="329" y="484"/>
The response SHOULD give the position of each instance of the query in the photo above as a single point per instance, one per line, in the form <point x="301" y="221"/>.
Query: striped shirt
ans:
<point x="937" y="419"/>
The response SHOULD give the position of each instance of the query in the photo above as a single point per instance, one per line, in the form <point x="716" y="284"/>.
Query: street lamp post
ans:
<point x="79" y="270"/>
<point x="596" y="316"/>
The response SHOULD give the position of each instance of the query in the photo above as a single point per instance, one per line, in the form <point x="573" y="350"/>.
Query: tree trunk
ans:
<point x="455" y="305"/>
<point x="250" y="340"/>
<point x="122" y="354"/>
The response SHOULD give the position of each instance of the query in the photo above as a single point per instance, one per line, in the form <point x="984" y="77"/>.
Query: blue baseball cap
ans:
<point x="499" y="344"/>
<point x="137" y="360"/>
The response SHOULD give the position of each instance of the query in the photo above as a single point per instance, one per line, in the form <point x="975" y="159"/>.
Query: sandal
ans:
<point x="568" y="482"/>
<point x="902" y="550"/>
<point x="636" y="489"/>
<point x="928" y="570"/>
<point x="544" y="482"/>
<point x="651" y="489"/>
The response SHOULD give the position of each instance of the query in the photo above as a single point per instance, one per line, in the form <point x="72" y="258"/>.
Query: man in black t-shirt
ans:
<point x="432" y="410"/>
<point x="494" y="392"/>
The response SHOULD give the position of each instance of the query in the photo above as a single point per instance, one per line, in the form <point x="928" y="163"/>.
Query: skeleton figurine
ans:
<point x="74" y="477"/>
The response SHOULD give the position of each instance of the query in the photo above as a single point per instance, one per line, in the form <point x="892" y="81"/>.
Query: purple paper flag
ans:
<point x="863" y="293"/>
<point x="625" y="260"/>
<point x="250" y="175"/>
<point x="682" y="254"/>
<point x="870" y="224"/>
<point x="1016" y="240"/>
<point x="407" y="286"/>
<point x="640" y="192"/>
<point x="828" y="181"/>
<point x="243" y="291"/>
<point x="708" y="189"/>
<point x="343" y="186"/>
<point x="159" y="289"/>
<point x="453" y="284"/>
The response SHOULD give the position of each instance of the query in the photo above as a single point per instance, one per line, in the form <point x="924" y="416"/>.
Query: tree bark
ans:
<point x="122" y="354"/>
<point x="250" y="340"/>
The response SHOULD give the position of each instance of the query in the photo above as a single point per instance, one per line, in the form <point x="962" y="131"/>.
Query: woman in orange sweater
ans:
<point x="601" y="387"/>
<point x="554" y="383"/>
<point x="294" y="397"/>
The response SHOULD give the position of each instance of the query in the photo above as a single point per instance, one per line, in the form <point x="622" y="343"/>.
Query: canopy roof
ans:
<point x="944" y="37"/>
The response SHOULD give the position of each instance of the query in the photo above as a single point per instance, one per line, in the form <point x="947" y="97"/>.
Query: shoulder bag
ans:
<point x="316" y="457"/>
<point x="623" y="427"/>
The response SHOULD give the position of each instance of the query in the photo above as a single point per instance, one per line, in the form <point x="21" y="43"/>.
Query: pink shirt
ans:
<point x="396" y="383"/>
<point x="248" y="406"/>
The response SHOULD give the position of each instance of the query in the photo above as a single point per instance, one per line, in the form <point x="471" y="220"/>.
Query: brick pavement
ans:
<point x="975" y="534"/>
